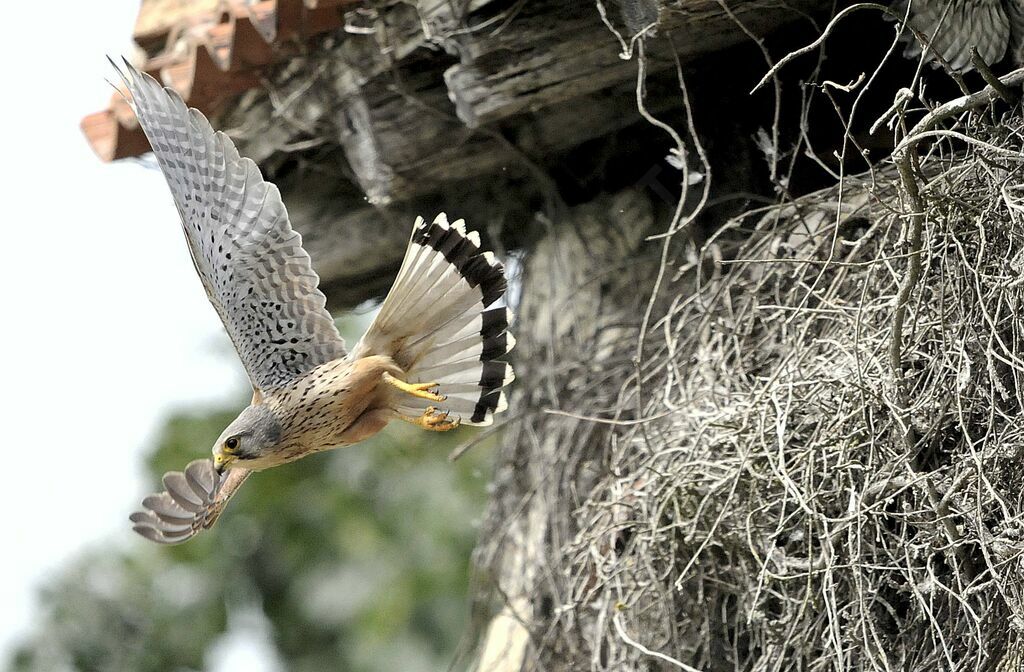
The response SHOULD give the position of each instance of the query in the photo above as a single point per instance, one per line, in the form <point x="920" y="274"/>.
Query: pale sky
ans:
<point x="106" y="327"/>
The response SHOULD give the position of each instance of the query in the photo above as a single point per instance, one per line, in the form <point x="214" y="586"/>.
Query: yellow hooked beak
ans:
<point x="221" y="461"/>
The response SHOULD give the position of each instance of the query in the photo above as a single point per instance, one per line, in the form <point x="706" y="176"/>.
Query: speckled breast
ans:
<point x="317" y="408"/>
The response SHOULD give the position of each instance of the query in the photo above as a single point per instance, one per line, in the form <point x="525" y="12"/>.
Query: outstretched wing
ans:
<point x="193" y="501"/>
<point x="258" y="277"/>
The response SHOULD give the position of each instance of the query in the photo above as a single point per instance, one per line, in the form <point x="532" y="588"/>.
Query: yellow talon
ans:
<point x="421" y="390"/>
<point x="433" y="420"/>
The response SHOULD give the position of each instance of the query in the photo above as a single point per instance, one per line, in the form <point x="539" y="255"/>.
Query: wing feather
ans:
<point x="954" y="26"/>
<point x="250" y="260"/>
<point x="192" y="503"/>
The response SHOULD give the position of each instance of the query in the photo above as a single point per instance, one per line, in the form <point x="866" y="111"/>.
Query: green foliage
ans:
<point x="358" y="558"/>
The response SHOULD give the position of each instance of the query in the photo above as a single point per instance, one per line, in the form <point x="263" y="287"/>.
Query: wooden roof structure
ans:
<point x="208" y="51"/>
<point x="368" y="114"/>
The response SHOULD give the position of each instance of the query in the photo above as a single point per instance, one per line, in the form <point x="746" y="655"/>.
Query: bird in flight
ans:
<point x="430" y="357"/>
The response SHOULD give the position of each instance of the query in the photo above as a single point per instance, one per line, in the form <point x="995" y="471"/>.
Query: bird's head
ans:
<point x="248" y="440"/>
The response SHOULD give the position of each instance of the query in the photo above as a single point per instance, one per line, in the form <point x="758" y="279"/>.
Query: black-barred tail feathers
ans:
<point x="445" y="321"/>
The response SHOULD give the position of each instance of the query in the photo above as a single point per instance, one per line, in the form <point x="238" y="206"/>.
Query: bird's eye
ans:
<point x="231" y="443"/>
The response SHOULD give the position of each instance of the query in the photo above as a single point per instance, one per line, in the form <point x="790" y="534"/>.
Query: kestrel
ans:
<point x="430" y="357"/>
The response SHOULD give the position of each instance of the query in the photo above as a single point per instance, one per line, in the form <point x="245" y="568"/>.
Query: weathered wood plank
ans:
<point x="552" y="53"/>
<point x="402" y="139"/>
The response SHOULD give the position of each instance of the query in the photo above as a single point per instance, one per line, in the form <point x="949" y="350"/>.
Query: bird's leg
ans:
<point x="421" y="390"/>
<point x="432" y="419"/>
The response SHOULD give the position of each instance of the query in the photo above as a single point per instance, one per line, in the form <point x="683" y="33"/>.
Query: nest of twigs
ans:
<point x="828" y="469"/>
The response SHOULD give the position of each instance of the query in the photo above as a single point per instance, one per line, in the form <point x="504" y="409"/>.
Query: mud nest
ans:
<point x="792" y="491"/>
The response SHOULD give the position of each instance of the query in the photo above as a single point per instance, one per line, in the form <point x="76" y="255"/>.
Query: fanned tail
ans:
<point x="445" y="321"/>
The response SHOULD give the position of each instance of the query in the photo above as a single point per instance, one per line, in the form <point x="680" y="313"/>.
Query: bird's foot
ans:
<point x="422" y="390"/>
<point x="433" y="420"/>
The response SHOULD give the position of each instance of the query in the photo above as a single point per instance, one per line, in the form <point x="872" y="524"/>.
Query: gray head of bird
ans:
<point x="249" y="439"/>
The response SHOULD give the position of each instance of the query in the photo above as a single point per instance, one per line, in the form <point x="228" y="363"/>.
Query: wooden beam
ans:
<point x="555" y="52"/>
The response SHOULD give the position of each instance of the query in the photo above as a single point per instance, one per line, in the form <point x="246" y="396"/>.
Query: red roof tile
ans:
<point x="208" y="51"/>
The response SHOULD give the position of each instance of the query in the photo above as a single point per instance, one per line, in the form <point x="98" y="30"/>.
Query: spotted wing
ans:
<point x="954" y="26"/>
<point x="258" y="277"/>
<point x="191" y="503"/>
